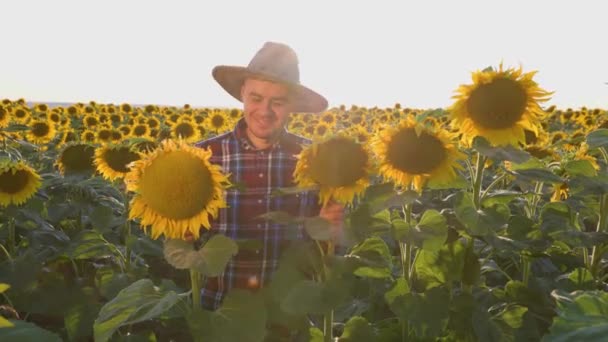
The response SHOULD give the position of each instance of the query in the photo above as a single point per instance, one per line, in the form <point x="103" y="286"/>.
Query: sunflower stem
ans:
<point x="596" y="254"/>
<point x="493" y="184"/>
<point x="328" y="320"/>
<point x="11" y="235"/>
<point x="127" y="233"/>
<point x="481" y="160"/>
<point x="195" y="283"/>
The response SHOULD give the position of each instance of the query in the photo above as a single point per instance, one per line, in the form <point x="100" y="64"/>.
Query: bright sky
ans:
<point x="353" y="52"/>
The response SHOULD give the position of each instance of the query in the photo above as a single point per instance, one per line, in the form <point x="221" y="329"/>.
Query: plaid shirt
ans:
<point x="257" y="173"/>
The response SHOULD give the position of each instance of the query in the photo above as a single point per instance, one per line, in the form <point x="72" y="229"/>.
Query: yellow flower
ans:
<point x="411" y="153"/>
<point x="176" y="190"/>
<point x="339" y="166"/>
<point x="186" y="130"/>
<point x="5" y="118"/>
<point x="140" y="130"/>
<point x="22" y="114"/>
<point x="76" y="158"/>
<point x="41" y="132"/>
<point x="560" y="192"/>
<point x="103" y="135"/>
<point x="217" y="122"/>
<point x="90" y="121"/>
<point x="498" y="106"/>
<point x="18" y="183"/>
<point x="112" y="160"/>
<point x="328" y="118"/>
<point x="87" y="135"/>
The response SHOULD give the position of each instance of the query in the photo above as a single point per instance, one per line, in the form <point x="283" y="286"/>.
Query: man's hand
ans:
<point x="334" y="213"/>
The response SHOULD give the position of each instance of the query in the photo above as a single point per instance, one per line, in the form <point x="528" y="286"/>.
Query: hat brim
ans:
<point x="231" y="78"/>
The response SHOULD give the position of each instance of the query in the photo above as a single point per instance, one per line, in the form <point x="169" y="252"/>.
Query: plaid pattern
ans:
<point x="256" y="174"/>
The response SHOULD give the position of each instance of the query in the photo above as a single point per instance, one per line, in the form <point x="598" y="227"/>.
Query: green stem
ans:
<point x="195" y="282"/>
<point x="601" y="227"/>
<point x="493" y="184"/>
<point x="481" y="160"/>
<point x="127" y="233"/>
<point x="11" y="236"/>
<point x="525" y="262"/>
<point x="328" y="320"/>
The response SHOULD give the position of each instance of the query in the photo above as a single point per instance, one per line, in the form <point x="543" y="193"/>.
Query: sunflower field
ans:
<point x="483" y="221"/>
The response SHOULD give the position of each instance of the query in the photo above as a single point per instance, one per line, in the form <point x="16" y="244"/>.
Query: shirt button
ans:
<point x="259" y="201"/>
<point x="259" y="226"/>
<point x="261" y="175"/>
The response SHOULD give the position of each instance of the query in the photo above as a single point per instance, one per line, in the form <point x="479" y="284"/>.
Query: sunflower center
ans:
<point x="13" y="183"/>
<point x="104" y="134"/>
<point x="217" y="121"/>
<point x="184" y="130"/>
<point x="415" y="154"/>
<point x="78" y="158"/>
<point x="177" y="185"/>
<point x="338" y="162"/>
<point x="118" y="158"/>
<point x="139" y="130"/>
<point x="497" y="105"/>
<point x="40" y="129"/>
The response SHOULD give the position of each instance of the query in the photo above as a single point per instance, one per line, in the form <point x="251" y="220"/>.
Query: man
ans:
<point x="260" y="155"/>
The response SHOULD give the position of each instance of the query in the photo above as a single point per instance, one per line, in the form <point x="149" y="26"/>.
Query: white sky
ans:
<point x="353" y="52"/>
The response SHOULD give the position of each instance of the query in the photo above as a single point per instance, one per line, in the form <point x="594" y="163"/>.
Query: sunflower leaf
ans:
<point x="499" y="153"/>
<point x="210" y="260"/>
<point x="582" y="316"/>
<point x="25" y="331"/>
<point x="598" y="138"/>
<point x="357" y="329"/>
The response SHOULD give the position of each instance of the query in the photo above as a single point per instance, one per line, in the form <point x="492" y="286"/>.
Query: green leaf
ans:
<point x="27" y="332"/>
<point x="16" y="128"/>
<point x="139" y="302"/>
<point x="512" y="315"/>
<point x="401" y="288"/>
<point x="101" y="217"/>
<point x="309" y="297"/>
<point x="581" y="316"/>
<point x="90" y="244"/>
<point x="499" y="153"/>
<point x="357" y="329"/>
<point x="375" y="254"/>
<point x="435" y="268"/>
<point x="4" y="287"/>
<point x="427" y="313"/>
<point x="537" y="175"/>
<point x="316" y="335"/>
<point x="432" y="230"/>
<point x="598" y="138"/>
<point x="580" y="167"/>
<point x="210" y="260"/>
<point x="318" y="228"/>
<point x="79" y="320"/>
<point x="110" y="282"/>
<point x="480" y="222"/>
<point x="242" y="317"/>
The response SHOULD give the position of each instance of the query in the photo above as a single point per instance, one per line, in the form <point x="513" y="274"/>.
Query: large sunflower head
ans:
<point x="112" y="161"/>
<point x="176" y="189"/>
<point x="339" y="166"/>
<point x="18" y="183"/>
<point x="498" y="106"/>
<point x="76" y="158"/>
<point x="414" y="154"/>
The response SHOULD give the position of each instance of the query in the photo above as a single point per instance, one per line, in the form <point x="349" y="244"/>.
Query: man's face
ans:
<point x="267" y="106"/>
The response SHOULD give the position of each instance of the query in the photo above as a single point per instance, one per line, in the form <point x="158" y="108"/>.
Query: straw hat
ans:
<point x="275" y="62"/>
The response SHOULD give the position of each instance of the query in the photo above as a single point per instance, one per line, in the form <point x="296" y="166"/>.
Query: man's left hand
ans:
<point x="334" y="213"/>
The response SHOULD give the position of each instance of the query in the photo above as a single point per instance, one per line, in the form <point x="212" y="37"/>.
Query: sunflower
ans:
<point x="140" y="130"/>
<point x="68" y="136"/>
<point x="410" y="153"/>
<point x="87" y="135"/>
<point x="498" y="106"/>
<point x="103" y="135"/>
<point x="90" y="121"/>
<point x="235" y="114"/>
<point x="217" y="122"/>
<point x="560" y="192"/>
<point x="144" y="145"/>
<point x="125" y="130"/>
<point x="5" y="114"/>
<point x="186" y="130"/>
<point x="18" y="183"/>
<point x="41" y="132"/>
<point x="328" y="118"/>
<point x="21" y="115"/>
<point x="339" y="166"/>
<point x="321" y="130"/>
<point x="76" y="158"/>
<point x="153" y="122"/>
<point x="176" y="206"/>
<point x="112" y="161"/>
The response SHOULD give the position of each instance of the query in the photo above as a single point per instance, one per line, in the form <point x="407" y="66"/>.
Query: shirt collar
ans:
<point x="240" y="133"/>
